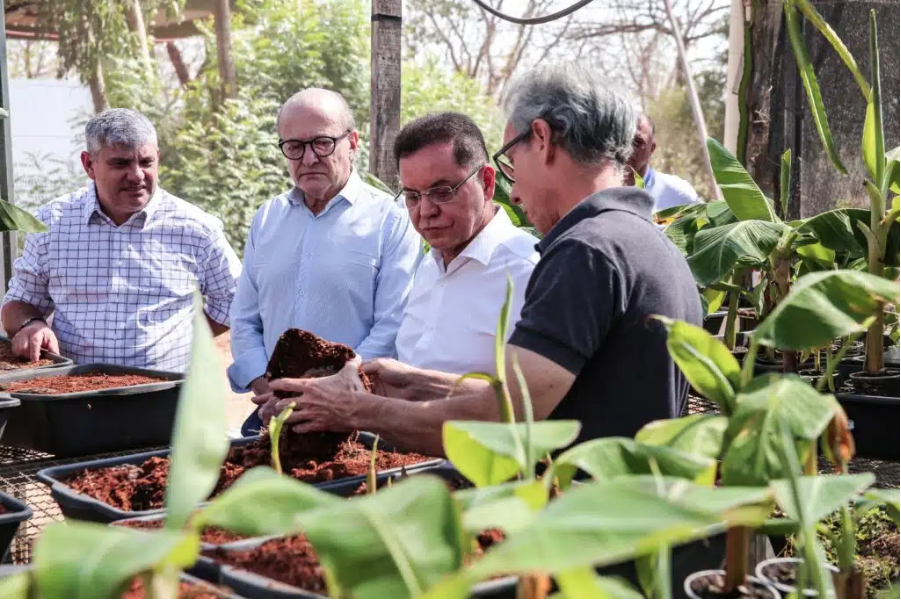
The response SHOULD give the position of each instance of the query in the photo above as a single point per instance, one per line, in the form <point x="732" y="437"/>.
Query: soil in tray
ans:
<point x="308" y="458"/>
<point x="210" y="535"/>
<point x="185" y="590"/>
<point x="290" y="560"/>
<point x="69" y="384"/>
<point x="11" y="362"/>
<point x="711" y="586"/>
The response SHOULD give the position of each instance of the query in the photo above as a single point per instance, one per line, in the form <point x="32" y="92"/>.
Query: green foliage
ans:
<point x="744" y="198"/>
<point x="717" y="250"/>
<point x="13" y="218"/>
<point x="701" y="435"/>
<point x="825" y="306"/>
<point x="199" y="444"/>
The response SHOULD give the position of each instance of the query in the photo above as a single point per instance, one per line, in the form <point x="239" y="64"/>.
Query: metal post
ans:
<point x="8" y="245"/>
<point x="385" y="94"/>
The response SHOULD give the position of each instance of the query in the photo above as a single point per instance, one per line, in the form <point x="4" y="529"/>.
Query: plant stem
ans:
<point x="737" y="541"/>
<point x="747" y="367"/>
<point x="833" y="360"/>
<point x="810" y="466"/>
<point x="732" y="315"/>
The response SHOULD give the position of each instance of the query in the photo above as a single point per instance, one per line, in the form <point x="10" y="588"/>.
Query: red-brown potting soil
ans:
<point x="290" y="560"/>
<point x="185" y="590"/>
<point x="210" y="535"/>
<point x="68" y="384"/>
<point x="3" y="510"/>
<point x="11" y="362"/>
<point x="309" y="458"/>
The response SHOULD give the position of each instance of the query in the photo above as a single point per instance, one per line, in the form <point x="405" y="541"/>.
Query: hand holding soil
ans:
<point x="389" y="377"/>
<point x="30" y="340"/>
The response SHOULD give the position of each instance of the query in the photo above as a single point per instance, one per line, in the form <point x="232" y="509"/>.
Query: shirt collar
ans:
<point x="350" y="192"/>
<point x="627" y="199"/>
<point x="92" y="207"/>
<point x="483" y="245"/>
<point x="649" y="178"/>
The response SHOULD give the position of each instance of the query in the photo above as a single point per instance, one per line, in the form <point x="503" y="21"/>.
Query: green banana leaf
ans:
<point x="717" y="250"/>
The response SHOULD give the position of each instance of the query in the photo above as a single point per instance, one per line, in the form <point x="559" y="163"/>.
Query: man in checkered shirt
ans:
<point x="121" y="260"/>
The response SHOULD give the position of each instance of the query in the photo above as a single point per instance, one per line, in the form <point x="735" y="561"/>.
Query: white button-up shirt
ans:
<point x="451" y="317"/>
<point x="124" y="295"/>
<point x="343" y="274"/>
<point x="668" y="190"/>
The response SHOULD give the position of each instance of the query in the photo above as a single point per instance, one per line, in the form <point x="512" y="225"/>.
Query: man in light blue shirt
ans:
<point x="667" y="190"/>
<point x="334" y="256"/>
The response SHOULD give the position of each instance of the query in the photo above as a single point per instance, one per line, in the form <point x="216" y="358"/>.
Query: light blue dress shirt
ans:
<point x="668" y="190"/>
<point x="343" y="274"/>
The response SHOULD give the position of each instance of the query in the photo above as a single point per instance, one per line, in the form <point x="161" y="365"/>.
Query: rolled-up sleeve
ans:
<point x="30" y="282"/>
<point x="402" y="250"/>
<point x="247" y="343"/>
<point x="219" y="279"/>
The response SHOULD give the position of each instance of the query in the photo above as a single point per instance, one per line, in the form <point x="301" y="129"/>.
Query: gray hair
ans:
<point x="591" y="119"/>
<point x="119" y="127"/>
<point x="321" y="97"/>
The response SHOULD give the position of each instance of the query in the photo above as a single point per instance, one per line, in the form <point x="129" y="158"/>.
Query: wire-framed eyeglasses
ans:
<point x="439" y="195"/>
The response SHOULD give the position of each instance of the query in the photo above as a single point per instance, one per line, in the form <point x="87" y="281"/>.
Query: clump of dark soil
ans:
<point x="711" y="586"/>
<point x="290" y="560"/>
<point x="185" y="590"/>
<point x="12" y="362"/>
<point x="4" y="510"/>
<point x="69" y="384"/>
<point x="210" y="535"/>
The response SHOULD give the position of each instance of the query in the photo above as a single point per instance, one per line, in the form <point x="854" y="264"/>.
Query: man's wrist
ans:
<point x="31" y="320"/>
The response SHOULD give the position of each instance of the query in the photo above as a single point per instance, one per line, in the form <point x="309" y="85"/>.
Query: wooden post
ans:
<point x="385" y="95"/>
<point x="228" y="79"/>
<point x="8" y="245"/>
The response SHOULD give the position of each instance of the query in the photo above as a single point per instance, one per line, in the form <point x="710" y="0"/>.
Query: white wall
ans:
<point x="47" y="117"/>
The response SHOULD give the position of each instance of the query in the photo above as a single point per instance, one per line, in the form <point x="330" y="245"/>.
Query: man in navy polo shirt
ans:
<point x="586" y="341"/>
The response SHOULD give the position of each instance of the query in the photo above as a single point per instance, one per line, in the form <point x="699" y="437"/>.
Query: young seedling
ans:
<point x="275" y="434"/>
<point x="370" y="476"/>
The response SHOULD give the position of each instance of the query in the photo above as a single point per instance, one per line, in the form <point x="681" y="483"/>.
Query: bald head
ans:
<point x="322" y="103"/>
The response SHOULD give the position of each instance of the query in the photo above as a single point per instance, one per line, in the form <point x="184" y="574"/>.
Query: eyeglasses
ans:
<point x="503" y="162"/>
<point x="321" y="145"/>
<point x="439" y="195"/>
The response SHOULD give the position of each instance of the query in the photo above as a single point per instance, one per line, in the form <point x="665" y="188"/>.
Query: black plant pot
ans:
<point x="18" y="512"/>
<point x="883" y="384"/>
<point x="713" y="323"/>
<point x="874" y="424"/>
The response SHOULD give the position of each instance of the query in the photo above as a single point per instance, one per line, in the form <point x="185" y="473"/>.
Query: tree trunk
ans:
<point x="181" y="69"/>
<point x="766" y="26"/>
<point x="385" y="99"/>
<point x="228" y="78"/>
<point x="136" y="23"/>
<point x="98" y="89"/>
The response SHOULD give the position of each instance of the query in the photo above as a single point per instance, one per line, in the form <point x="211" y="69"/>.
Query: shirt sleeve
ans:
<point x="30" y="282"/>
<point x="400" y="257"/>
<point x="248" y="347"/>
<point x="219" y="279"/>
<point x="573" y="297"/>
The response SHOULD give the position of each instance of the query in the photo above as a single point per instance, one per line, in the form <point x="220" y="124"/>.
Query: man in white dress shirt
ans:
<point x="666" y="190"/>
<point x="451" y="316"/>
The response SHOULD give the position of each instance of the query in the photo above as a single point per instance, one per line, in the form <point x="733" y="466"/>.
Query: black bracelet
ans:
<point x="31" y="320"/>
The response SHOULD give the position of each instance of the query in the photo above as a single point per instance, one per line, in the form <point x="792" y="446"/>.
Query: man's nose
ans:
<point x="427" y="208"/>
<point x="136" y="174"/>
<point x="309" y="157"/>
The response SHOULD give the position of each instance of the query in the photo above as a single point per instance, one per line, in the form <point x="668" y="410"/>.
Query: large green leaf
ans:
<point x="502" y="197"/>
<point x="824" y="306"/>
<point x="890" y="499"/>
<point x="817" y="254"/>
<point x="839" y="230"/>
<point x="705" y="361"/>
<point x="585" y="583"/>
<point x="821" y="495"/>
<point x="893" y="170"/>
<point x="812" y="15"/>
<point x="811" y="86"/>
<point x="718" y="249"/>
<point x="13" y="218"/>
<point x="199" y="444"/>
<point x="719" y="213"/>
<point x="262" y="502"/>
<point x="394" y="544"/>
<point x="607" y="458"/>
<point x="873" y="144"/>
<point x="753" y="439"/>
<point x="607" y="522"/>
<point x="744" y="198"/>
<point x="682" y="233"/>
<point x="701" y="435"/>
<point x="88" y="560"/>
<point x="491" y="453"/>
<point x="17" y="585"/>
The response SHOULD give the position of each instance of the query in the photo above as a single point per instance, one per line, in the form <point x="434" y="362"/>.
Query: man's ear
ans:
<point x="489" y="181"/>
<point x="653" y="147"/>
<point x="87" y="161"/>
<point x="354" y="139"/>
<point x="543" y="135"/>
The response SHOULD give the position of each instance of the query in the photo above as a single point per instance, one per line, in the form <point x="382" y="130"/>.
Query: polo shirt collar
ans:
<point x="483" y="245"/>
<point x="351" y="192"/>
<point x="92" y="207"/>
<point x="627" y="199"/>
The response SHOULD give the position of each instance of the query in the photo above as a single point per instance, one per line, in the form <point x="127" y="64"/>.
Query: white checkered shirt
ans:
<point x="124" y="295"/>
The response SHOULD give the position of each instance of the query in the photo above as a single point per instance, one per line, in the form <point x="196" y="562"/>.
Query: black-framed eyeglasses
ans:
<point x="439" y="195"/>
<point x="321" y="145"/>
<point x="503" y="162"/>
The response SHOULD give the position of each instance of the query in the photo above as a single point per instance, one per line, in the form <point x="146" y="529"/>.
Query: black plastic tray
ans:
<point x="9" y="522"/>
<point x="6" y="403"/>
<point x="874" y="421"/>
<point x="85" y="423"/>
<point x="58" y="361"/>
<point x="85" y="508"/>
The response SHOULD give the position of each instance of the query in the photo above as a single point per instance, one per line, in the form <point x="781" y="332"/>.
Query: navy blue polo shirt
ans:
<point x="605" y="268"/>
